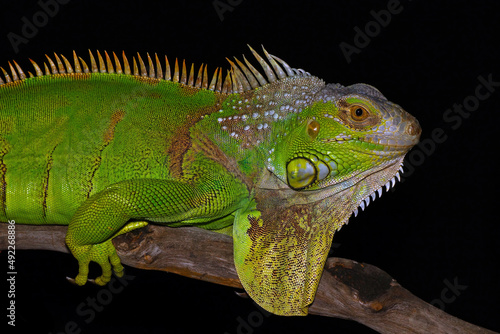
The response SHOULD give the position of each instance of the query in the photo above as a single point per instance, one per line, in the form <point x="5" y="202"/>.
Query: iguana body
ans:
<point x="284" y="160"/>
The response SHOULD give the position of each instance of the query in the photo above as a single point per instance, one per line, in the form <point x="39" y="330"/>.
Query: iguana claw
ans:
<point x="78" y="281"/>
<point x="104" y="254"/>
<point x="71" y="280"/>
<point x="97" y="281"/>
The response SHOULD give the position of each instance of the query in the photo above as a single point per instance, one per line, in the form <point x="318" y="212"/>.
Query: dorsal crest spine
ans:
<point x="241" y="77"/>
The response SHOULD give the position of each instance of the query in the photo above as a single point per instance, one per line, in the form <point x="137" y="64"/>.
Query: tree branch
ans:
<point x="348" y="290"/>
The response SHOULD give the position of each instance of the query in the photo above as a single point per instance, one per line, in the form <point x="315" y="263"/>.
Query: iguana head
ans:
<point x="343" y="136"/>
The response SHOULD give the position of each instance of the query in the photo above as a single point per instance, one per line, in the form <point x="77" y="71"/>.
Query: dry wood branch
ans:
<point x="348" y="290"/>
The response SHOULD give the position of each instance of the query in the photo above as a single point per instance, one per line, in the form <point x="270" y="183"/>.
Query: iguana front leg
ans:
<point x="107" y="214"/>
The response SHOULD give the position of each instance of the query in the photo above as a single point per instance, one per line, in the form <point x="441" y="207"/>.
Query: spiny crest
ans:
<point x="373" y="196"/>
<point x="240" y="78"/>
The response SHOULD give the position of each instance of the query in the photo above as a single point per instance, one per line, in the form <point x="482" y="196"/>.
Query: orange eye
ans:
<point x="359" y="113"/>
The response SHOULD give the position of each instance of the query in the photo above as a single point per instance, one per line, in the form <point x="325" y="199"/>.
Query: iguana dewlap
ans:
<point x="275" y="157"/>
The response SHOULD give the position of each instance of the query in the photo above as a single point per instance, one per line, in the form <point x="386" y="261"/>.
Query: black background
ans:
<point x="440" y="225"/>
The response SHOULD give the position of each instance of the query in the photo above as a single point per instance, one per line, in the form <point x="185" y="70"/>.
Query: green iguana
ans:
<point x="276" y="158"/>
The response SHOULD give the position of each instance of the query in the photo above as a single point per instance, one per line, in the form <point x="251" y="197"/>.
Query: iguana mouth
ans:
<point x="389" y="143"/>
<point x="376" y="145"/>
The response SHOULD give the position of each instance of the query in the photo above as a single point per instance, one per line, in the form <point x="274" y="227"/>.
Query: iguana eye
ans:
<point x="359" y="113"/>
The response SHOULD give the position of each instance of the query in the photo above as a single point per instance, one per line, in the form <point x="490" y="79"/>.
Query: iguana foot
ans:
<point x="104" y="254"/>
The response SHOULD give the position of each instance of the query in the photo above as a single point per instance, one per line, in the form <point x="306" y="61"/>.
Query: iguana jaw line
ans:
<point x="273" y="183"/>
<point x="371" y="194"/>
<point x="388" y="141"/>
<point x="392" y="168"/>
<point x="390" y="144"/>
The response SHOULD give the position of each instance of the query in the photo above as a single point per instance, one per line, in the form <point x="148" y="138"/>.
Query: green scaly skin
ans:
<point x="285" y="161"/>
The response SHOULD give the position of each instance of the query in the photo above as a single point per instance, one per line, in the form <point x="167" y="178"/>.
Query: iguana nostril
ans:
<point x="413" y="129"/>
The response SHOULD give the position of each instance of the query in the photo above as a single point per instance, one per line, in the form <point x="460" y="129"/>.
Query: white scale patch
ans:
<point x="271" y="104"/>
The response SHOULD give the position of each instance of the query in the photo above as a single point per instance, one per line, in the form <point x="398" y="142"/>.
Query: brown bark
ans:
<point x="348" y="290"/>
